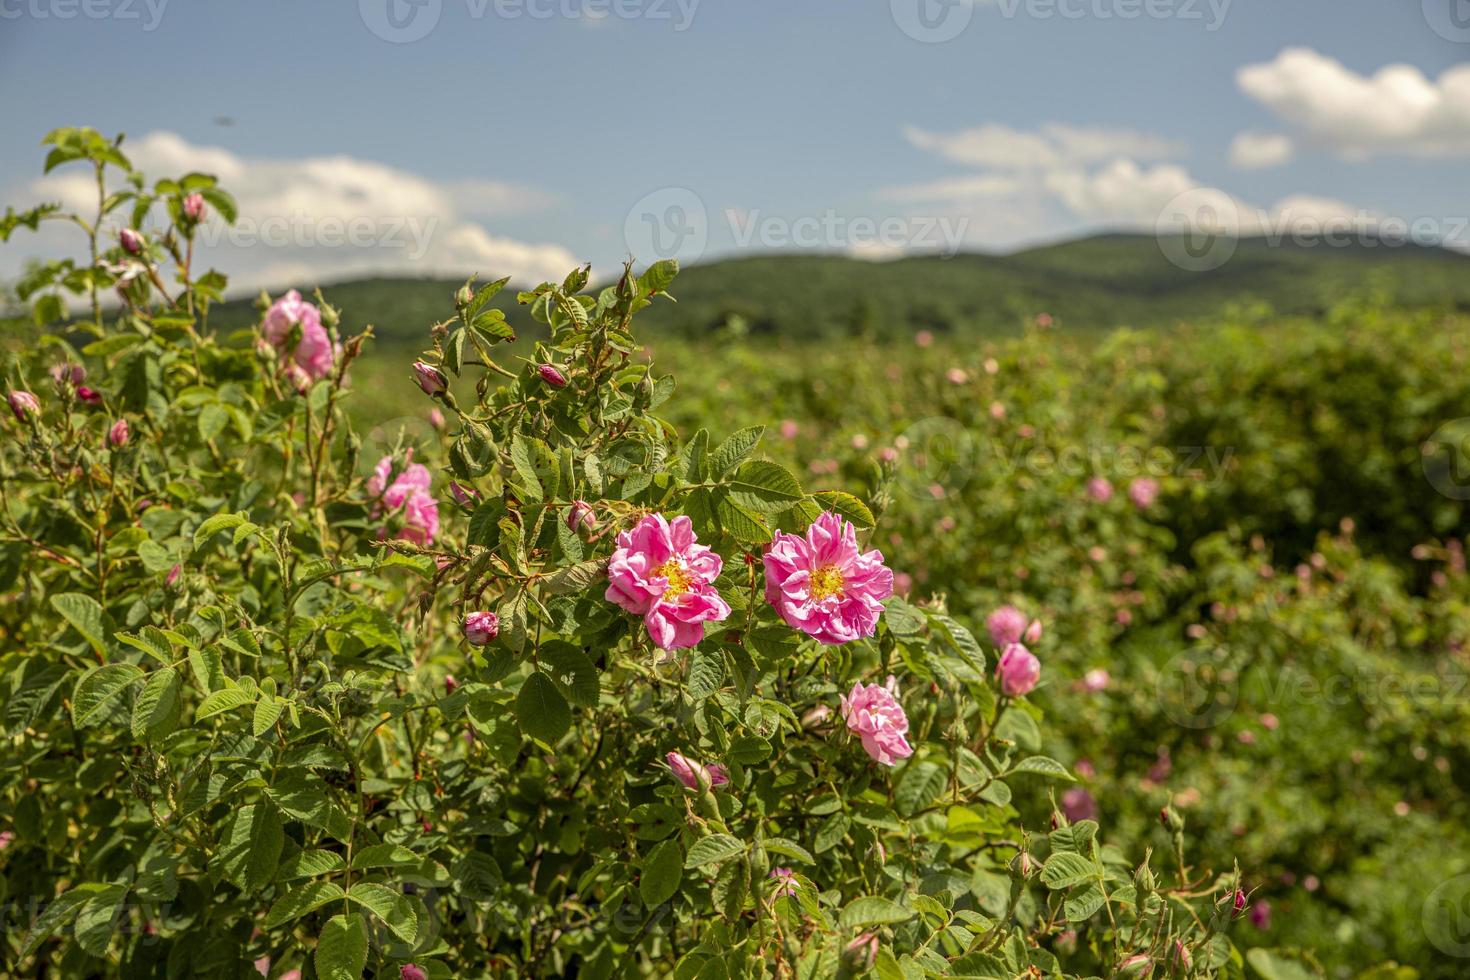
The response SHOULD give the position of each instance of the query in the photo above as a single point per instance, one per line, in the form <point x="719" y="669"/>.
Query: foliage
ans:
<point x="259" y="719"/>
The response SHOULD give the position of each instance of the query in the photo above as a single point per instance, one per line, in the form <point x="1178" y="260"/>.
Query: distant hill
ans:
<point x="1099" y="282"/>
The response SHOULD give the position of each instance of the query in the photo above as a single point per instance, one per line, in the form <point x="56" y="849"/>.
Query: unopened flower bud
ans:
<point x="1171" y="819"/>
<point x="581" y="517"/>
<point x="481" y="627"/>
<point x="1144" y="880"/>
<point x="1238" y="903"/>
<point x="132" y="242"/>
<point x="450" y="684"/>
<point x="412" y="971"/>
<point x="463" y="295"/>
<point x="551" y="375"/>
<point x="464" y="496"/>
<point x="859" y="955"/>
<point x="1182" y="959"/>
<point x="88" y="396"/>
<point x="815" y="717"/>
<point x="23" y="404"/>
<point x="1023" y="864"/>
<point x="1033" y="632"/>
<point x="430" y="378"/>
<point x="1137" y="965"/>
<point x="117" y="436"/>
<point x="194" y="206"/>
<point x="173" y="575"/>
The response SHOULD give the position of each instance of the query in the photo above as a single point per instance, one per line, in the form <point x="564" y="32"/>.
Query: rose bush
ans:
<point x="575" y="696"/>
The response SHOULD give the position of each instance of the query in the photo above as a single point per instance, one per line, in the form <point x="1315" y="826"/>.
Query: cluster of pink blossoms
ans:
<point x="1017" y="668"/>
<point x="311" y="355"/>
<point x="406" y="491"/>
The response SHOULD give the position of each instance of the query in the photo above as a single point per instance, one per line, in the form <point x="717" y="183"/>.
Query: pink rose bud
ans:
<point x="1182" y="959"/>
<point x="23" y="404"/>
<point x="695" y="775"/>
<point x="1006" y="625"/>
<point x="117" y="436"/>
<point x="450" y="684"/>
<point x="552" y="376"/>
<point x="1018" y="670"/>
<point x="132" y="242"/>
<point x="1261" y="915"/>
<point x="88" y="396"/>
<point x="436" y="418"/>
<point x="1099" y="489"/>
<point x="173" y="575"/>
<point x="481" y="627"/>
<point x="1137" y="965"/>
<point x="1033" y="632"/>
<point x="1043" y="320"/>
<point x="430" y="378"/>
<point x="581" y="517"/>
<point x="412" y="971"/>
<point x="815" y="717"/>
<point x="1239" y="902"/>
<point x="64" y="373"/>
<point x="194" y="206"/>
<point x="1096" y="679"/>
<point x="858" y="956"/>
<point x="464" y="496"/>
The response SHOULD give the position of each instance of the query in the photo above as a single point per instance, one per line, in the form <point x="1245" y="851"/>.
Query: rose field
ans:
<point x="528" y="640"/>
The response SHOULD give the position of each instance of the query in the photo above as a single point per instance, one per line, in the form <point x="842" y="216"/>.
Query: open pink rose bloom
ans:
<point x="660" y="573"/>
<point x="872" y="712"/>
<point x="822" y="585"/>
<point x="408" y="490"/>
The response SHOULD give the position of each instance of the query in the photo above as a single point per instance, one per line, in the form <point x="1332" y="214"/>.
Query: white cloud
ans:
<point x="1397" y="110"/>
<point x="1120" y="193"/>
<point x="317" y="219"/>
<point x="1054" y="145"/>
<point x="1257" y="151"/>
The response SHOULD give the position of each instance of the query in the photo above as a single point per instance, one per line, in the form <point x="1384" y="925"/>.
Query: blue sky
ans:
<point x="525" y="133"/>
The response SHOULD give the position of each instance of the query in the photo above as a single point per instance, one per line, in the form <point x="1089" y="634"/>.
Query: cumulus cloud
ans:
<point x="316" y="219"/>
<point x="1257" y="151"/>
<point x="1396" y="110"/>
<point x="1053" y="145"/>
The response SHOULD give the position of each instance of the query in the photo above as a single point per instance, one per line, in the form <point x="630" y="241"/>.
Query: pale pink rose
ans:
<point x="24" y="404"/>
<point x="692" y="773"/>
<point x="924" y="338"/>
<point x="194" y="206"/>
<point x="430" y="378"/>
<point x="436" y="418"/>
<point x="1099" y="489"/>
<point x="992" y="366"/>
<point x="1143" y="492"/>
<point x="313" y="353"/>
<point x="67" y="373"/>
<point x="407" y="491"/>
<point x="789" y="429"/>
<point x="1044" y="320"/>
<point x="1084" y="769"/>
<point x="956" y="376"/>
<point x="1078" y="804"/>
<point x="903" y="583"/>
<point x="1033" y="632"/>
<point x="661" y="573"/>
<point x="481" y="627"/>
<point x="822" y="585"/>
<point x="1018" y="670"/>
<point x="874" y="714"/>
<point x="117" y="436"/>
<point x="263" y="966"/>
<point x="6" y="837"/>
<point x="997" y="410"/>
<point x="1096" y="679"/>
<point x="1006" y="625"/>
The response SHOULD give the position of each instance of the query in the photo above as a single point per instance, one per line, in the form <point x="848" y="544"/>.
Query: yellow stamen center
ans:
<point x="826" y="581"/>
<point x="678" y="578"/>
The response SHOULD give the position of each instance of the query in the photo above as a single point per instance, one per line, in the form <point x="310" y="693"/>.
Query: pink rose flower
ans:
<point x="89" y="396"/>
<point x="1099" y="489"/>
<point x="1096" y="679"/>
<point x="789" y="429"/>
<point x="692" y="774"/>
<point x="313" y="353"/>
<point x="956" y="376"/>
<point x="822" y="585"/>
<point x="117" y="436"/>
<point x="430" y="378"/>
<point x="1143" y="492"/>
<point x="1078" y="804"/>
<point x="551" y="375"/>
<point x="660" y="573"/>
<point x="23" y="404"/>
<point x="132" y="242"/>
<point x="436" y="418"/>
<point x="407" y="491"/>
<point x="481" y="627"/>
<point x="67" y="373"/>
<point x="194" y="206"/>
<point x="581" y="516"/>
<point x="1006" y="625"/>
<point x="785" y="882"/>
<point x="1018" y="670"/>
<point x="874" y="714"/>
<point x="412" y="971"/>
